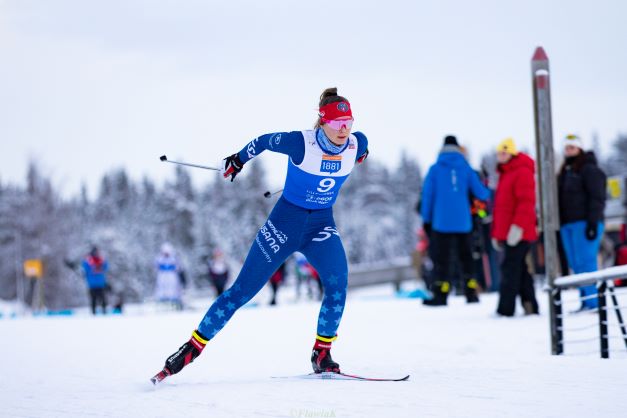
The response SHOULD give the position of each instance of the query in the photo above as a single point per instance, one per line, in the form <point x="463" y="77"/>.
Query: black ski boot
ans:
<point x="321" y="360"/>
<point x="185" y="355"/>
<point x="440" y="294"/>
<point x="472" y="291"/>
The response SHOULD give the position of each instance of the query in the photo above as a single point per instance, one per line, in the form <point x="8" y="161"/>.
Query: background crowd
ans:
<point x="449" y="211"/>
<point x="475" y="231"/>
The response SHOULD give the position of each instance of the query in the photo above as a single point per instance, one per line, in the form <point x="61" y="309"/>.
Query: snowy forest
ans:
<point x="130" y="220"/>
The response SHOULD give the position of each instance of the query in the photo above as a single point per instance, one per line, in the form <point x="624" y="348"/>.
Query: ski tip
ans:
<point x="163" y="158"/>
<point x="343" y="376"/>
<point x="377" y="379"/>
<point x="159" y="377"/>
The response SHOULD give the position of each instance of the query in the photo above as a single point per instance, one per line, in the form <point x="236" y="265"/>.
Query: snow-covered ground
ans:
<point x="463" y="362"/>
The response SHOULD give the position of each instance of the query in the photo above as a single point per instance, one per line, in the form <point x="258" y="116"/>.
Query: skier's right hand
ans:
<point x="231" y="166"/>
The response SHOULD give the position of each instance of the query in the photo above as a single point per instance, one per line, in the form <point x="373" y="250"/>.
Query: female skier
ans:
<point x="320" y="160"/>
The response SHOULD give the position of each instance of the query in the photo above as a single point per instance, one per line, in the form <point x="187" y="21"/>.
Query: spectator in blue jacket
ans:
<point x="95" y="268"/>
<point x="447" y="219"/>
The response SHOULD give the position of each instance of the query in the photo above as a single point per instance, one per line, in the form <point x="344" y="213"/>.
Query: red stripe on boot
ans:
<point x="322" y="345"/>
<point x="188" y="359"/>
<point x="321" y="356"/>
<point x="197" y="344"/>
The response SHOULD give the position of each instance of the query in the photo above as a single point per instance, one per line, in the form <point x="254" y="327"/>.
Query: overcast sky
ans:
<point x="87" y="86"/>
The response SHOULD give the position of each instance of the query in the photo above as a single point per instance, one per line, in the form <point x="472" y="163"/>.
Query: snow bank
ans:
<point x="463" y="362"/>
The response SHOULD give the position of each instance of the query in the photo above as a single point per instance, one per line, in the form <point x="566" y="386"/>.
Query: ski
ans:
<point x="160" y="376"/>
<point x="342" y="376"/>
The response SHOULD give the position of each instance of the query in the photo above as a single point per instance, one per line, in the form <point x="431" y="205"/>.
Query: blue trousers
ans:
<point x="289" y="228"/>
<point x="581" y="254"/>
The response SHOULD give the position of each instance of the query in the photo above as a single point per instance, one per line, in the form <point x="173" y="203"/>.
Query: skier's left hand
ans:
<point x="231" y="166"/>
<point x="363" y="157"/>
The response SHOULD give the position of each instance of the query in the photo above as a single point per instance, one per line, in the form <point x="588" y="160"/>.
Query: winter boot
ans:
<point x="186" y="354"/>
<point x="472" y="291"/>
<point x="440" y="294"/>
<point x="321" y="360"/>
<point x="530" y="307"/>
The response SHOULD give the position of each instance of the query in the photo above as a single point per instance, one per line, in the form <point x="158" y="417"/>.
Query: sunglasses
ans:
<point x="338" y="124"/>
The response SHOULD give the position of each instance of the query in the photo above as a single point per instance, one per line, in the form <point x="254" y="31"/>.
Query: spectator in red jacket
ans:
<point x="514" y="227"/>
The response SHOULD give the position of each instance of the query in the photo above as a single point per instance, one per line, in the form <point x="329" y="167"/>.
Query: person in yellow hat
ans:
<point x="505" y="150"/>
<point x="514" y="226"/>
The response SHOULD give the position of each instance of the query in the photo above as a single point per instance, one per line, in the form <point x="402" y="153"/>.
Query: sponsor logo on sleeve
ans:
<point x="275" y="140"/>
<point x="250" y="149"/>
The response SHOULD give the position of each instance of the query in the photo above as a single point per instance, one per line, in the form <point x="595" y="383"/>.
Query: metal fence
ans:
<point x="604" y="280"/>
<point x="394" y="272"/>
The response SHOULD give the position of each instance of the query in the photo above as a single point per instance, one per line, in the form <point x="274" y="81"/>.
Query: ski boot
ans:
<point x="321" y="360"/>
<point x="440" y="294"/>
<point x="185" y="355"/>
<point x="472" y="291"/>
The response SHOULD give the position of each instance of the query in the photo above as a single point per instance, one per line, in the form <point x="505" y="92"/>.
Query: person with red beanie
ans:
<point x="320" y="161"/>
<point x="514" y="227"/>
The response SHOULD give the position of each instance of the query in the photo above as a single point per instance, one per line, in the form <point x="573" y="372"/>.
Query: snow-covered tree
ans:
<point x="616" y="164"/>
<point x="129" y="220"/>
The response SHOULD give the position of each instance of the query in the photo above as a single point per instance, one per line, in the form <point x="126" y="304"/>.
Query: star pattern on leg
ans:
<point x="324" y="309"/>
<point x="322" y="322"/>
<point x="230" y="306"/>
<point x="236" y="287"/>
<point x="337" y="296"/>
<point x="220" y="313"/>
<point x="207" y="321"/>
<point x="333" y="279"/>
<point x="337" y="322"/>
<point x="244" y="300"/>
<point x="214" y="332"/>
<point x="338" y="309"/>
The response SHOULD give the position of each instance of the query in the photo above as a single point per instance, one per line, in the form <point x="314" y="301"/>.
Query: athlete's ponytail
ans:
<point x="328" y="96"/>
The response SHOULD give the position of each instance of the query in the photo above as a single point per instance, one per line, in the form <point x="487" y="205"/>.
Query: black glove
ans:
<point x="427" y="228"/>
<point x="363" y="157"/>
<point x="231" y="166"/>
<point x="591" y="231"/>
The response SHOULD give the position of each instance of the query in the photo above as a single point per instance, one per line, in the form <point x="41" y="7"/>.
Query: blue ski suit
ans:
<point x="302" y="220"/>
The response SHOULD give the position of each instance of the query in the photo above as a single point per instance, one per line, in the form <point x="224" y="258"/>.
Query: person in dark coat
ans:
<point x="447" y="219"/>
<point x="275" y="282"/>
<point x="218" y="271"/>
<point x="95" y="267"/>
<point x="581" y="186"/>
<point x="514" y="227"/>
